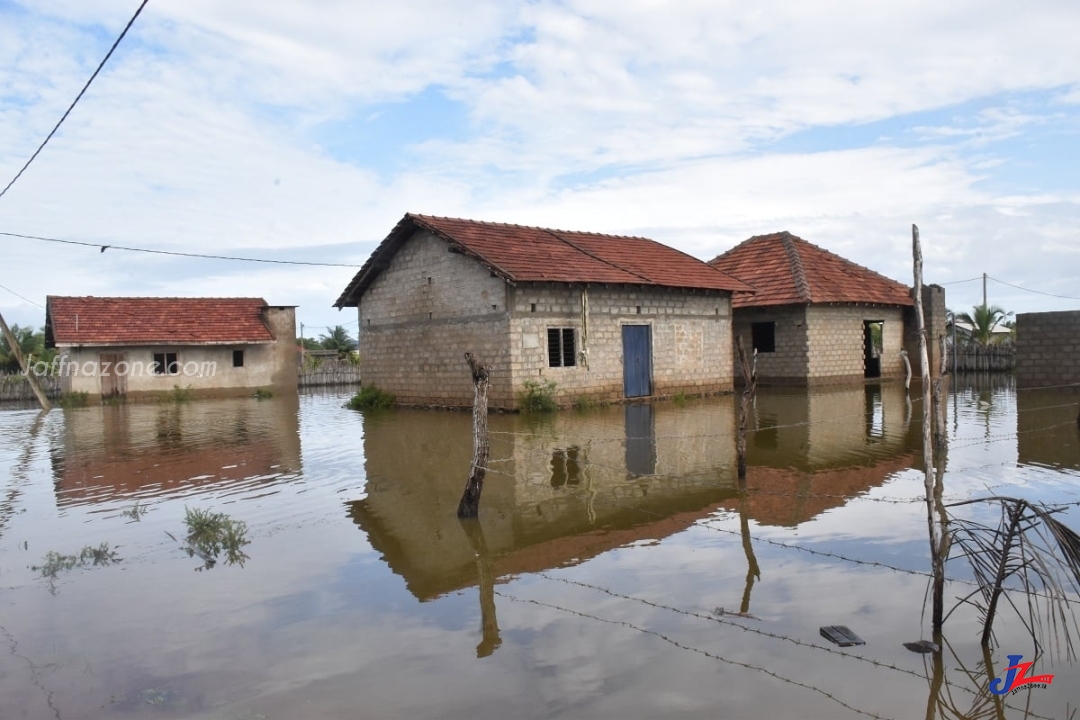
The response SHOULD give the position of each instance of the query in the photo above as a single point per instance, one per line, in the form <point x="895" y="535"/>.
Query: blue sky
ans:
<point x="293" y="130"/>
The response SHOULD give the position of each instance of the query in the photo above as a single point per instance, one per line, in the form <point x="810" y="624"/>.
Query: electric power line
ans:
<point x="103" y="247"/>
<point x="76" y="100"/>
<point x="957" y="282"/>
<point x="1037" y="292"/>
<point x="20" y="296"/>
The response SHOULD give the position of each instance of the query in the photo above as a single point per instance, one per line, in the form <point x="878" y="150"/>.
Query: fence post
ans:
<point x="469" y="507"/>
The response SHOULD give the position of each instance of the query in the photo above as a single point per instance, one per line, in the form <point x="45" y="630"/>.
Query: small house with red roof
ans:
<point x="604" y="317"/>
<point x="818" y="318"/>
<point x="145" y="346"/>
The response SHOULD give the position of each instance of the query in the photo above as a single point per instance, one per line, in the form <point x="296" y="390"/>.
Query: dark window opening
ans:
<point x="532" y="307"/>
<point x="561" y="349"/>
<point x="166" y="364"/>
<point x="238" y="358"/>
<point x="638" y="309"/>
<point x="764" y="336"/>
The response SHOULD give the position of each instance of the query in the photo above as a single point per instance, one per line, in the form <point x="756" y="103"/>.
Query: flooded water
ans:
<point x="616" y="570"/>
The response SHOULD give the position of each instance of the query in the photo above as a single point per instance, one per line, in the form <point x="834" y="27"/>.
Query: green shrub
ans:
<point x="370" y="397"/>
<point x="211" y="533"/>
<point x="264" y="394"/>
<point x="178" y="395"/>
<point x="679" y="398"/>
<point x="73" y="399"/>
<point x="584" y="402"/>
<point x="538" y="396"/>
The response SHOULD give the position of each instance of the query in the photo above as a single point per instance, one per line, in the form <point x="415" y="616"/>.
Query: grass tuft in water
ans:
<point x="55" y="562"/>
<point x="212" y="533"/>
<point x="178" y="395"/>
<point x="135" y="512"/>
<point x="264" y="394"/>
<point x="538" y="396"/>
<point x="370" y="397"/>
<point x="73" y="399"/>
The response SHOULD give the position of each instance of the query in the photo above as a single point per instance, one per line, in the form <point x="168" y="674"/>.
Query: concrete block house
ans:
<point x="818" y="318"/>
<point x="135" y="347"/>
<point x="605" y="317"/>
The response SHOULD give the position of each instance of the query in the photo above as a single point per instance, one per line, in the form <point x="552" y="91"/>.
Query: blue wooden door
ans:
<point x="637" y="360"/>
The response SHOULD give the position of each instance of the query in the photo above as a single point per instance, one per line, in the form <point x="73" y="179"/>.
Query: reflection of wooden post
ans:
<point x="469" y="507"/>
<point x="17" y="352"/>
<point x="937" y="544"/>
<point x="486" y="575"/>
<point x="753" y="572"/>
<point x="750" y="380"/>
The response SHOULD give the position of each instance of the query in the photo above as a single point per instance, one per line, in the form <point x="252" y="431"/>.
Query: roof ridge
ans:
<point x="594" y="256"/>
<point x="798" y="272"/>
<point x="528" y="227"/>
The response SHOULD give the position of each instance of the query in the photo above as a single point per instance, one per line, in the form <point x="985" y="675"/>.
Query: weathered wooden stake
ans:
<point x="469" y="507"/>
<point x="17" y="352"/>
<point x="937" y="543"/>
<point x="750" y="380"/>
<point x="907" y="367"/>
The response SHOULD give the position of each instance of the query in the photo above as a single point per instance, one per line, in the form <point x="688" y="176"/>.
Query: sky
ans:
<point x="305" y="130"/>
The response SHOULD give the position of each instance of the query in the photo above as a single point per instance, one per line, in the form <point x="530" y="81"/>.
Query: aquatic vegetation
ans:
<point x="538" y="396"/>
<point x="212" y="533"/>
<point x="73" y="399"/>
<point x="370" y="397"/>
<point x="584" y="402"/>
<point x="679" y="398"/>
<point x="264" y="394"/>
<point x="178" y="394"/>
<point x="55" y="562"/>
<point x="135" y="512"/>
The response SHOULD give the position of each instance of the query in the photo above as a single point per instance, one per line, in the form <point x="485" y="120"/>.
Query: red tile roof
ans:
<point x="530" y="254"/>
<point x="154" y="321"/>
<point x="787" y="270"/>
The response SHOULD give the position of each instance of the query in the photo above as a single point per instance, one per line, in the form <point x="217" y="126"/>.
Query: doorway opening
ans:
<point x="873" y="345"/>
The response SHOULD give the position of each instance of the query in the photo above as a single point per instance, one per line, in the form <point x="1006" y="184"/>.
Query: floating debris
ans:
<point x="922" y="646"/>
<point x="841" y="635"/>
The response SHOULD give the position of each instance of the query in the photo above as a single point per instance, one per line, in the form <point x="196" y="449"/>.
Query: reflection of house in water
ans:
<point x="814" y="449"/>
<point x="107" y="452"/>
<point x="565" y="488"/>
<point x="1046" y="429"/>
<point x="561" y="488"/>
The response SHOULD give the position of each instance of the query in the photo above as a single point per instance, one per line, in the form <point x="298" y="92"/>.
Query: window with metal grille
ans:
<point x="238" y="358"/>
<point x="165" y="364"/>
<point x="764" y="334"/>
<point x="561" y="350"/>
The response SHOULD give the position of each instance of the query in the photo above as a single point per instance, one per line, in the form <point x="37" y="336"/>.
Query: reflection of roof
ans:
<point x="154" y="321"/>
<point x="788" y="497"/>
<point x="787" y="270"/>
<point x="529" y="254"/>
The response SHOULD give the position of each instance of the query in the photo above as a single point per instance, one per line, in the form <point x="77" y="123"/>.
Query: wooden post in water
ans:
<point x="17" y="352"/>
<point x="469" y="507"/>
<point x="937" y="545"/>
<point x="750" y="380"/>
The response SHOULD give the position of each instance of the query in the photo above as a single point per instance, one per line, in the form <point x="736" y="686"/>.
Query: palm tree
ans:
<point x="30" y="343"/>
<point x="983" y="322"/>
<point x="338" y="339"/>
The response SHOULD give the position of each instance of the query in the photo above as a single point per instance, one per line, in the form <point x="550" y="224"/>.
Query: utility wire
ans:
<point x="957" y="282"/>
<point x="20" y="296"/>
<point x="103" y="247"/>
<point x="1037" y="292"/>
<point x="76" y="100"/>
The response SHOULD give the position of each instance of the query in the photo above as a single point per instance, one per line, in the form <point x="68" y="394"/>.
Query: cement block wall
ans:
<point x="787" y="364"/>
<point x="206" y="369"/>
<point x="419" y="318"/>
<point x="934" y="319"/>
<point x="836" y="341"/>
<point x="1048" y="349"/>
<point x="691" y="336"/>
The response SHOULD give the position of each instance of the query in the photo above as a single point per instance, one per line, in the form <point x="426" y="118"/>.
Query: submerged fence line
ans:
<point x="991" y="358"/>
<point x="16" y="388"/>
<point x="329" y="373"/>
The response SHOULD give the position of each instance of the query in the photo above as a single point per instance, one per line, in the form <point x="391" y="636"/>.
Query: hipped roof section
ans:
<point x="127" y="321"/>
<point x="529" y="254"/>
<point x="787" y="270"/>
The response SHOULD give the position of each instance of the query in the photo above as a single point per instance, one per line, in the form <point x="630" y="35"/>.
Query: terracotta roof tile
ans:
<point x="154" y="321"/>
<point x="530" y="254"/>
<point x="787" y="270"/>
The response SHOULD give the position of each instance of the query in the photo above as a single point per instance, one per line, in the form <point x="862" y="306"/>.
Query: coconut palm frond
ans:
<point x="1028" y="561"/>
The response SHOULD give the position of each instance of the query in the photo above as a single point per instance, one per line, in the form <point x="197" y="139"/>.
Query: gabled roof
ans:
<point x="93" y="321"/>
<point x="787" y="270"/>
<point x="529" y="254"/>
